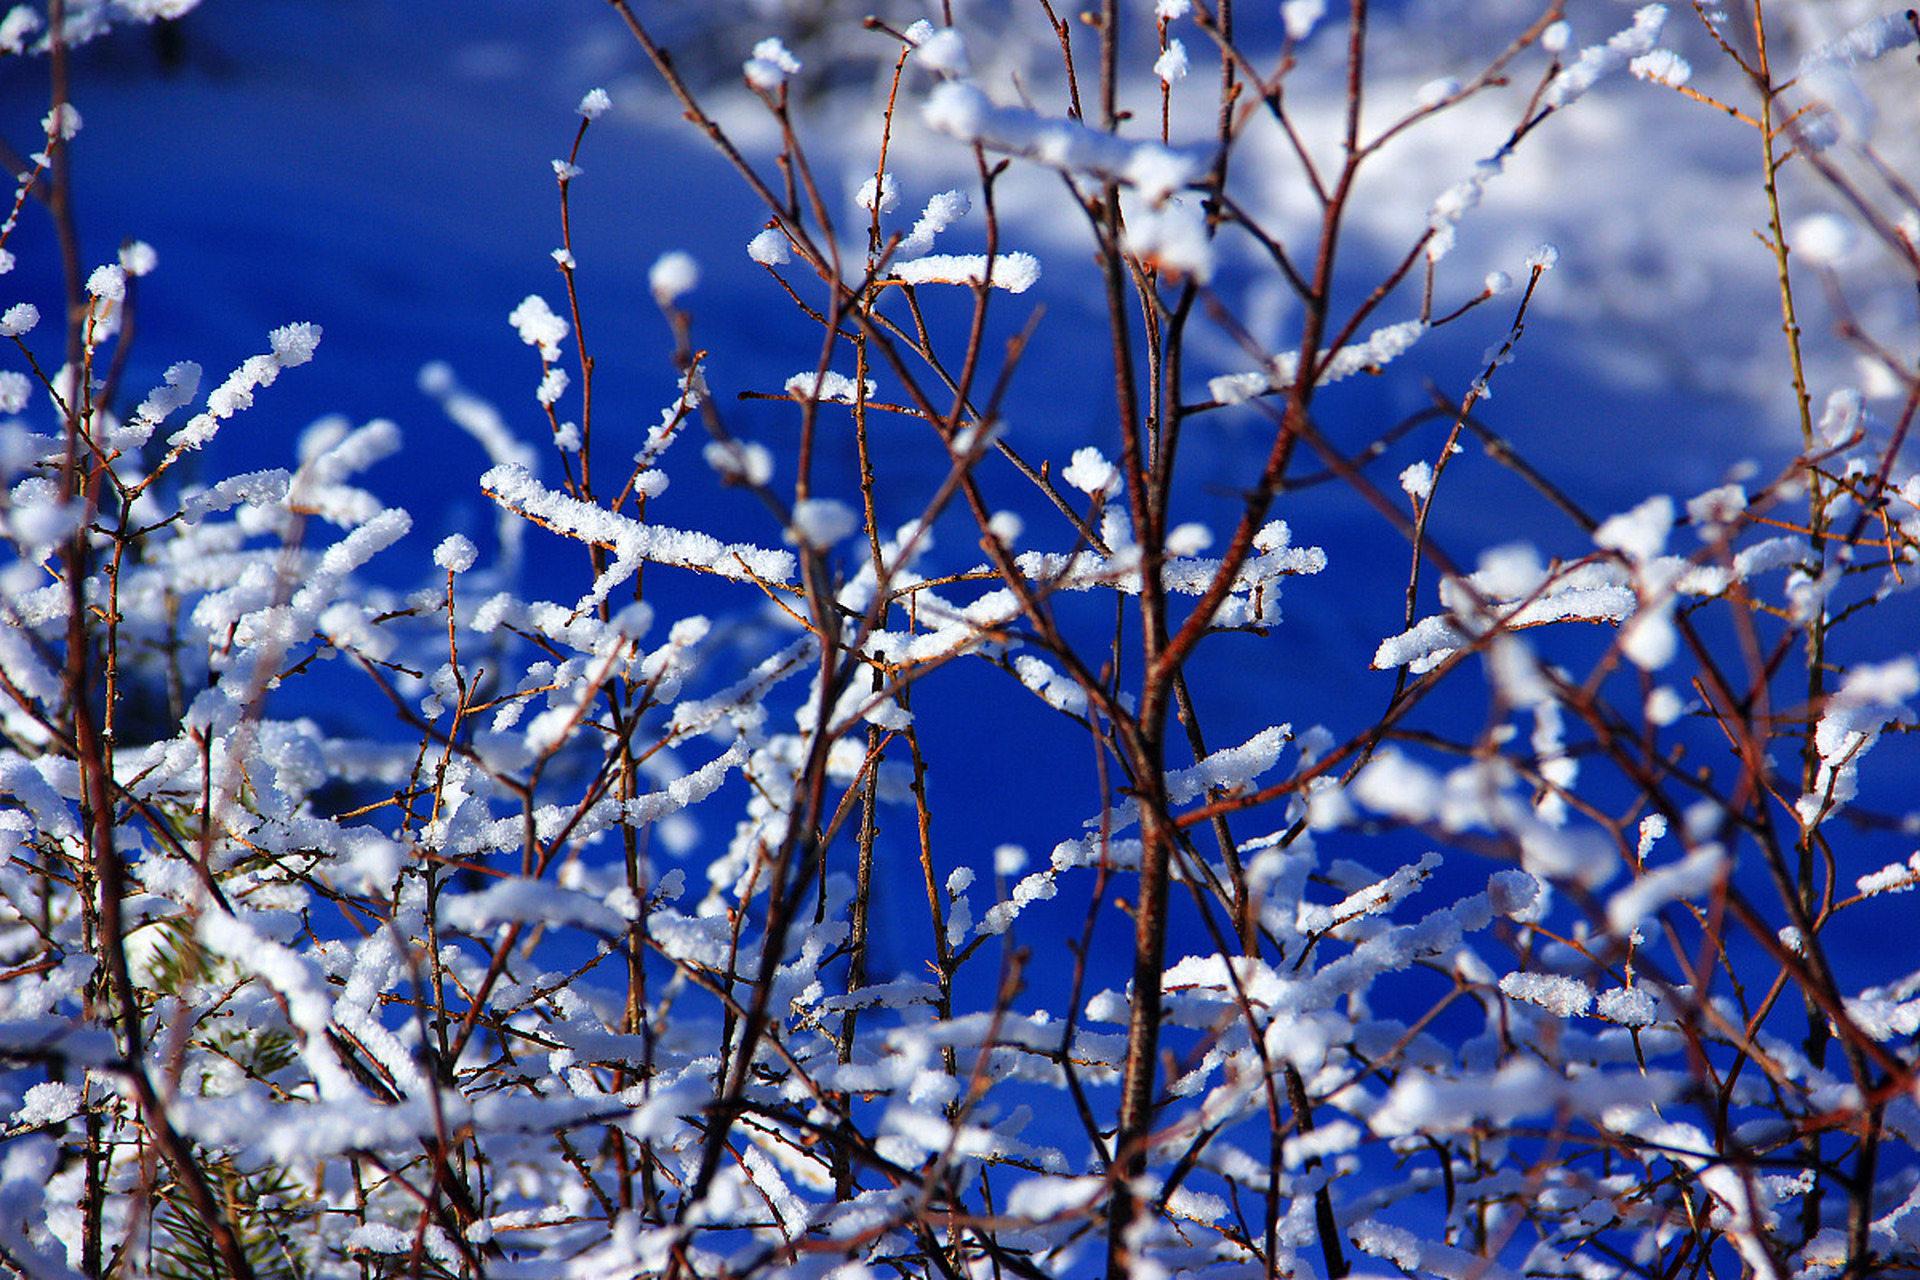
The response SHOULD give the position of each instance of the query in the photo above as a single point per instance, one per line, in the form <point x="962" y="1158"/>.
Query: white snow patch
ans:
<point x="672" y="275"/>
<point x="770" y="66"/>
<point x="1014" y="272"/>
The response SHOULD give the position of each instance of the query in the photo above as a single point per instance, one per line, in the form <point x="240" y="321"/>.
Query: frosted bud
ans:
<point x="1512" y="893"/>
<point x="1273" y="536"/>
<point x="635" y="620"/>
<point x="19" y="318"/>
<point x="945" y="53"/>
<point x="1172" y="239"/>
<point x="1639" y="534"/>
<point x="293" y="344"/>
<point x="1188" y="539"/>
<point x="739" y="460"/>
<point x="63" y="121"/>
<point x="138" y="258"/>
<point x="1824" y="239"/>
<point x="538" y="326"/>
<point x="1171" y="65"/>
<point x="671" y="275"/>
<point x="1301" y="15"/>
<point x="21" y="21"/>
<point x="1091" y="473"/>
<point x="769" y="248"/>
<point x="595" y="104"/>
<point x="455" y="554"/>
<point x="1662" y="66"/>
<point x="436" y="379"/>
<point x="820" y="523"/>
<point x="1842" y="419"/>
<point x="108" y="283"/>
<point x="771" y="65"/>
<point x="881" y="196"/>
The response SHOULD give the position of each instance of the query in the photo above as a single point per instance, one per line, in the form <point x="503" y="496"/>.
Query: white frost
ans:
<point x="538" y="327"/>
<point x="455" y="553"/>
<point x="1014" y="272"/>
<point x="1691" y="877"/>
<point x="291" y="345"/>
<point x="108" y="283"/>
<point x="1873" y="696"/>
<point x="1662" y="66"/>
<point x="1555" y="992"/>
<point x="769" y="248"/>
<point x="1171" y="65"/>
<point x="1091" y="473"/>
<point x="1172" y="238"/>
<point x="1600" y="59"/>
<point x="19" y="318"/>
<point x="959" y="109"/>
<point x="878" y="195"/>
<point x="821" y="522"/>
<point x="837" y="387"/>
<point x="944" y="52"/>
<point x="770" y="66"/>
<point x="672" y="275"/>
<point x="1824" y="239"/>
<point x="1300" y="16"/>
<point x="1896" y="877"/>
<point x="740" y="460"/>
<point x="942" y="211"/>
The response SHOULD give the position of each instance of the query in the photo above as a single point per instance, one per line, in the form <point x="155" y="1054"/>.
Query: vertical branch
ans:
<point x="1328" y="1225"/>
<point x="1771" y="131"/>
<point x="79" y="478"/>
<point x="1143" y="736"/>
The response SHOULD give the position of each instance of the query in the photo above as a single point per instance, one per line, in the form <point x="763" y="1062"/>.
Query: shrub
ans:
<point x="440" y="996"/>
